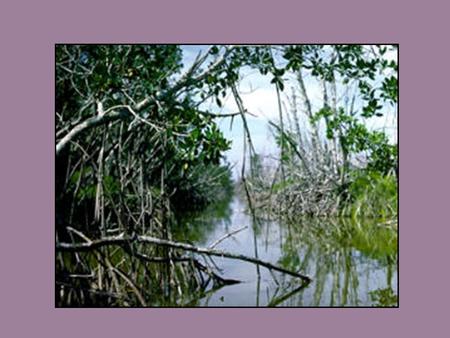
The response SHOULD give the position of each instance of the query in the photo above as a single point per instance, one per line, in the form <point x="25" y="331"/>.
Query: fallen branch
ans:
<point x="198" y="265"/>
<point x="124" y="240"/>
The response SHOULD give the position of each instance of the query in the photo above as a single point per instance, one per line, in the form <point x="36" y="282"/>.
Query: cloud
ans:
<point x="259" y="96"/>
<point x="391" y="53"/>
<point x="262" y="102"/>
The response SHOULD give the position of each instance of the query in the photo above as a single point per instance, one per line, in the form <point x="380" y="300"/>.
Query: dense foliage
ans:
<point x="132" y="145"/>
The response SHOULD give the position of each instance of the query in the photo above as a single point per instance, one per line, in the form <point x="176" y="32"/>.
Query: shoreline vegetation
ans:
<point x="137" y="151"/>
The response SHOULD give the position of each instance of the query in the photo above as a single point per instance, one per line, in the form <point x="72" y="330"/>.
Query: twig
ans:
<point x="132" y="285"/>
<point x="225" y="114"/>
<point x="79" y="233"/>
<point x="215" y="243"/>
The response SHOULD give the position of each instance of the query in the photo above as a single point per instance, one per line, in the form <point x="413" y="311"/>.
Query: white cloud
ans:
<point x="262" y="102"/>
<point x="259" y="96"/>
<point x="391" y="53"/>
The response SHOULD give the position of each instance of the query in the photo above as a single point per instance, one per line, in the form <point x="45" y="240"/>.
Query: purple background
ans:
<point x="28" y="31"/>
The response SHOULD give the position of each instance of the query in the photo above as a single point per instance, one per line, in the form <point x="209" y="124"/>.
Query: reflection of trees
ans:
<point x="384" y="297"/>
<point x="338" y="254"/>
<point x="195" y="227"/>
<point x="342" y="256"/>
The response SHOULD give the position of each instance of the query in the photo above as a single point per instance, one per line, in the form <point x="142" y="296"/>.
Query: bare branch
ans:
<point x="225" y="114"/>
<point x="98" y="120"/>
<point x="221" y="239"/>
<point x="189" y="75"/>
<point x="123" y="240"/>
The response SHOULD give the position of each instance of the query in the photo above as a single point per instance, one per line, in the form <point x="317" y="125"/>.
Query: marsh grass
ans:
<point x="371" y="194"/>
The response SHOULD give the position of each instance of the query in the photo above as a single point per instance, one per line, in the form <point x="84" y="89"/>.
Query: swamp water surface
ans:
<point x="351" y="263"/>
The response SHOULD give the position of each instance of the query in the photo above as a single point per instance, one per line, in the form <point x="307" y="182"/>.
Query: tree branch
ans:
<point x="189" y="76"/>
<point x="224" y="114"/>
<point x="98" y="120"/>
<point x="224" y="237"/>
<point x="122" y="240"/>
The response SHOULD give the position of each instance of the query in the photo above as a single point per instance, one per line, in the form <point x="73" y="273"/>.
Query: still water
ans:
<point x="351" y="263"/>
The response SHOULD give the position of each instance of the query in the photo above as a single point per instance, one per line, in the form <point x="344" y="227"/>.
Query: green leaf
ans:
<point x="214" y="50"/>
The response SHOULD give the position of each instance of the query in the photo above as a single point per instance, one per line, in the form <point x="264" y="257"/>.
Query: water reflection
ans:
<point x="351" y="263"/>
<point x="195" y="227"/>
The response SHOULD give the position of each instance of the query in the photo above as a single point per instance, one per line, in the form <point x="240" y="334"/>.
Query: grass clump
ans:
<point x="371" y="194"/>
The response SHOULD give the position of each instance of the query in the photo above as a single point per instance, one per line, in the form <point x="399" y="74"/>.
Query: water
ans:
<point x="351" y="263"/>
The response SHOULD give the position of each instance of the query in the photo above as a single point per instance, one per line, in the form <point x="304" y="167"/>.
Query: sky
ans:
<point x="259" y="97"/>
